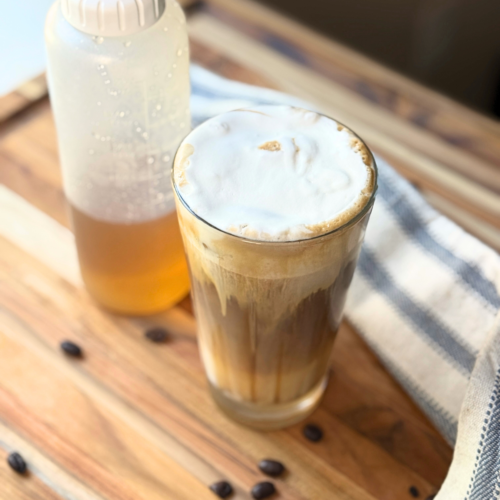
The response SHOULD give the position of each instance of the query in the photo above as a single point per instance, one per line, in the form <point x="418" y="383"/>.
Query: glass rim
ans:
<point x="352" y="221"/>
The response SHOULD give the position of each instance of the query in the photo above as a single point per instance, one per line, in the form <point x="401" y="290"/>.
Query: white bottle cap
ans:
<point x="112" y="17"/>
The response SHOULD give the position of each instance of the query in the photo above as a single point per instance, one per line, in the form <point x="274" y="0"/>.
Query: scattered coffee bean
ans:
<point x="271" y="467"/>
<point x="17" y="463"/>
<point x="313" y="433"/>
<point x="222" y="489"/>
<point x="414" y="492"/>
<point x="157" y="334"/>
<point x="263" y="490"/>
<point x="71" y="349"/>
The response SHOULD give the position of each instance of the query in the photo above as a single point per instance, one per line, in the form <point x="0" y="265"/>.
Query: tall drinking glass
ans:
<point x="268" y="311"/>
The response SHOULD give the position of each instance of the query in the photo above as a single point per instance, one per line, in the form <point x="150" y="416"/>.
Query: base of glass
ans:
<point x="269" y="417"/>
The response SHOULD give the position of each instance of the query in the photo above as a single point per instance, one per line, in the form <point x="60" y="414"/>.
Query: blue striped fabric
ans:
<point x="485" y="482"/>
<point x="415" y="228"/>
<point x="424" y="320"/>
<point x="410" y="215"/>
<point x="411" y="324"/>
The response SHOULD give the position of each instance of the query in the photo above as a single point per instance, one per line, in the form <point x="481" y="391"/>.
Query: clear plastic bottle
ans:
<point x="118" y="73"/>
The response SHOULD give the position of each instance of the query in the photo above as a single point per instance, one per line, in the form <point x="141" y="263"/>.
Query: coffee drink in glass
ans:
<point x="273" y="203"/>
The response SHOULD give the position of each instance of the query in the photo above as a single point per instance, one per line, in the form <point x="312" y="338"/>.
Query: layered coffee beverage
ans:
<point x="273" y="204"/>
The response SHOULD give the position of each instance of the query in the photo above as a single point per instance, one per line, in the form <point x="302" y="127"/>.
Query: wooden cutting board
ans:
<point x="133" y="420"/>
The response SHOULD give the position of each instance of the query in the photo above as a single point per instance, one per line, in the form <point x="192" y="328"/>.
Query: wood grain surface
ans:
<point x="132" y="416"/>
<point x="133" y="419"/>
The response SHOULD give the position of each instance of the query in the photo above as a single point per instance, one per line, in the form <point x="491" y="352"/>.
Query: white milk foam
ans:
<point x="274" y="173"/>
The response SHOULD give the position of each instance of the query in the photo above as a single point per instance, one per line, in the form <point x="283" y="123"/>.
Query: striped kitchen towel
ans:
<point x="425" y="297"/>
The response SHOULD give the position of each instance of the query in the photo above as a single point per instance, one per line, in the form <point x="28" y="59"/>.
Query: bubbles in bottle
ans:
<point x="179" y="52"/>
<point x="158" y="107"/>
<point x="165" y="158"/>
<point x="98" y="39"/>
<point x="165" y="29"/>
<point x="100" y="67"/>
<point x="107" y="82"/>
<point x="170" y="75"/>
<point x="151" y="160"/>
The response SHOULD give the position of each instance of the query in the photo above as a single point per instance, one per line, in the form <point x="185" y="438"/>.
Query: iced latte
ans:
<point x="273" y="204"/>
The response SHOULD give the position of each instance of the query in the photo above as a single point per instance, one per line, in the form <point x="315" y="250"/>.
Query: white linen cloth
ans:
<point x="425" y="297"/>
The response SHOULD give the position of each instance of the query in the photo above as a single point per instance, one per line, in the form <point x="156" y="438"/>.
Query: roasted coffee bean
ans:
<point x="71" y="349"/>
<point x="17" y="463"/>
<point x="157" y="334"/>
<point x="313" y="433"/>
<point x="271" y="467"/>
<point x="414" y="492"/>
<point x="222" y="489"/>
<point x="432" y="497"/>
<point x="263" y="490"/>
